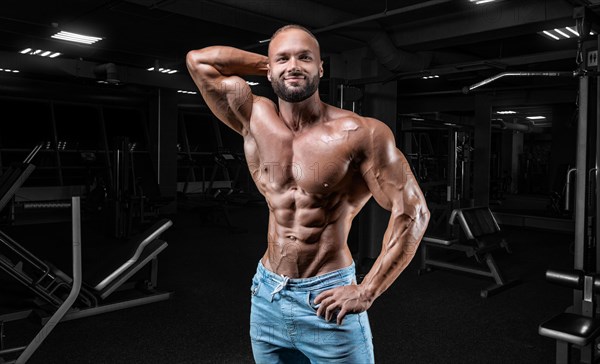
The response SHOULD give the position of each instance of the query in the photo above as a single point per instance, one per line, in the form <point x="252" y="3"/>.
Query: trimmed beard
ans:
<point x="295" y="94"/>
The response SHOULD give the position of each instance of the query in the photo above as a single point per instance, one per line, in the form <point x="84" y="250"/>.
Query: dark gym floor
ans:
<point x="435" y="318"/>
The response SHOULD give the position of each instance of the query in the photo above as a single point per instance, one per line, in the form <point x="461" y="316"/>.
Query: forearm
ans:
<point x="228" y="61"/>
<point x="400" y="243"/>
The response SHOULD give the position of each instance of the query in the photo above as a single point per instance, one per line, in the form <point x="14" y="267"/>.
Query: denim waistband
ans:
<point x="343" y="274"/>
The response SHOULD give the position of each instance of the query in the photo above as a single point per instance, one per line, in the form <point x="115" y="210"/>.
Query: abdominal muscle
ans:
<point x="307" y="235"/>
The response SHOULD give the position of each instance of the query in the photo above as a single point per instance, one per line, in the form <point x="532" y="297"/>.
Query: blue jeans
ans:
<point x="285" y="328"/>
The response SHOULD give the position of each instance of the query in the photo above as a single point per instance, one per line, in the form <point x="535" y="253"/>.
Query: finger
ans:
<point x="322" y="307"/>
<point x="331" y="309"/>
<point x="341" y="315"/>
<point x="323" y="295"/>
<point x="325" y="303"/>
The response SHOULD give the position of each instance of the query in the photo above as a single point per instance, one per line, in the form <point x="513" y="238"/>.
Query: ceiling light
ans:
<point x="74" y="37"/>
<point x="9" y="70"/>
<point x="187" y="92"/>
<point x="477" y="2"/>
<point x="163" y="70"/>
<point x="574" y="32"/>
<point x="251" y="83"/>
<point x="561" y="33"/>
<point x="536" y="117"/>
<point x="551" y="35"/>
<point x="506" y="112"/>
<point x="430" y="77"/>
<point x="40" y="52"/>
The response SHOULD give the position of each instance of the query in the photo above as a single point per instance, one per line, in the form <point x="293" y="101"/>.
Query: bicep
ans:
<point x="228" y="97"/>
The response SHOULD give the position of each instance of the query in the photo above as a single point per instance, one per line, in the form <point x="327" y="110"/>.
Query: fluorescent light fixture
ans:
<point x="8" y="70"/>
<point x="562" y="33"/>
<point x="430" y="77"/>
<point x="40" y="52"/>
<point x="77" y="38"/>
<point x="551" y="35"/>
<point x="574" y="32"/>
<point x="163" y="70"/>
<point x="477" y="2"/>
<point x="506" y="112"/>
<point x="536" y="117"/>
<point x="187" y="92"/>
<point x="251" y="83"/>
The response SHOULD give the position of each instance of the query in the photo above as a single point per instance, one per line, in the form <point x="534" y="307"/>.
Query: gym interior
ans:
<point x="130" y="227"/>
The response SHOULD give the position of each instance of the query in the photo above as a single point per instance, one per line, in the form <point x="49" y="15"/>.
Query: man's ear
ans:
<point x="268" y="72"/>
<point x="321" y="70"/>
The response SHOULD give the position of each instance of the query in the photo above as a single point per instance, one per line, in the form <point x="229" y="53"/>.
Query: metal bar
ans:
<point x="467" y="89"/>
<point x="581" y="174"/>
<point x="461" y="268"/>
<point x="568" y="189"/>
<point x="77" y="279"/>
<point x="12" y="350"/>
<point x="597" y="161"/>
<point x="115" y="306"/>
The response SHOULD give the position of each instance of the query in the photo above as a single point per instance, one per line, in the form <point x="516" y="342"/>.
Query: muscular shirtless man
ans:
<point x="317" y="166"/>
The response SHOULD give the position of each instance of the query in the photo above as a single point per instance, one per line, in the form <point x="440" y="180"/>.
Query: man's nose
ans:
<point x="293" y="65"/>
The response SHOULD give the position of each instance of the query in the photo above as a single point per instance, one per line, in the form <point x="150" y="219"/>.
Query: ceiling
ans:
<point x="459" y="41"/>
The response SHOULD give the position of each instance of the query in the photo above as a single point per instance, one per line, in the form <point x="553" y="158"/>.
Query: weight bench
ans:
<point x="481" y="235"/>
<point x="571" y="329"/>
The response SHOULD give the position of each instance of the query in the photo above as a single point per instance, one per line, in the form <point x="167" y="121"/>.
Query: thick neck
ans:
<point x="297" y="115"/>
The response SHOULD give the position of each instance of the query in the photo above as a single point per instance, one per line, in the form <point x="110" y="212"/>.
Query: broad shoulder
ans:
<point x="365" y="130"/>
<point x="261" y="105"/>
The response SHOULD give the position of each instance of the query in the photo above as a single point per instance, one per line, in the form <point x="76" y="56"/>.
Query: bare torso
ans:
<point x="313" y="186"/>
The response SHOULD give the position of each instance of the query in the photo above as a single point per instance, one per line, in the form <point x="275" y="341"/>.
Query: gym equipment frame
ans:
<point x="482" y="236"/>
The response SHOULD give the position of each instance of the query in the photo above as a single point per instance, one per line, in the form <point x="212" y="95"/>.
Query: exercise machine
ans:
<point x="123" y="259"/>
<point x="480" y="237"/>
<point x="75" y="286"/>
<point x="570" y="329"/>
